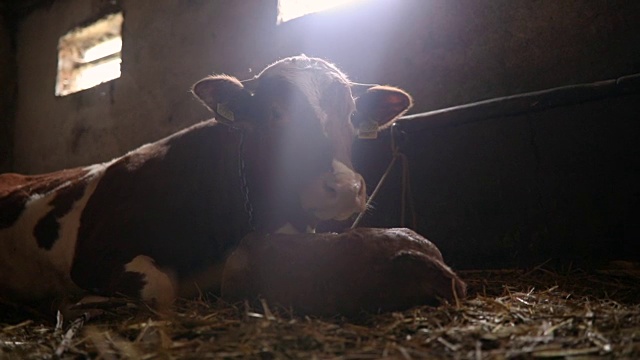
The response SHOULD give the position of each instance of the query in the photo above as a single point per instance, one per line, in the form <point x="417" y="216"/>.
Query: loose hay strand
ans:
<point x="75" y="326"/>
<point x="455" y="293"/>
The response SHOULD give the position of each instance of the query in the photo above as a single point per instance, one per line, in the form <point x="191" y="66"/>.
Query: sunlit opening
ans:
<point x="291" y="9"/>
<point x="103" y="49"/>
<point x="90" y="55"/>
<point x="98" y="74"/>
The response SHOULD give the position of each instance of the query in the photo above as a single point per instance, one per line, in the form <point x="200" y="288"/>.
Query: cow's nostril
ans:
<point x="331" y="190"/>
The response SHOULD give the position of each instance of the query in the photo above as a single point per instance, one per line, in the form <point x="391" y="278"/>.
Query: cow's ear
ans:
<point x="226" y="97"/>
<point x="380" y="106"/>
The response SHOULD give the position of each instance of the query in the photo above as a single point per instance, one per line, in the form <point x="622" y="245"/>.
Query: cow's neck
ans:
<point x="277" y="218"/>
<point x="267" y="213"/>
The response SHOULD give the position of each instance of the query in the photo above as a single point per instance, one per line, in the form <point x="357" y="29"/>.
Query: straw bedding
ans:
<point x="508" y="314"/>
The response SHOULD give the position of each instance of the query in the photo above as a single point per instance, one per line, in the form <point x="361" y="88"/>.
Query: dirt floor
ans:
<point x="514" y="314"/>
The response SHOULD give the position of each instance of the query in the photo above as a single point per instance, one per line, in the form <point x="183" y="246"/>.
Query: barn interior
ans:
<point x="520" y="160"/>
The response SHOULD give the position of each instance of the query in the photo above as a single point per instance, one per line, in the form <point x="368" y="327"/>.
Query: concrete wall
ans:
<point x="168" y="45"/>
<point x="444" y="52"/>
<point x="7" y="96"/>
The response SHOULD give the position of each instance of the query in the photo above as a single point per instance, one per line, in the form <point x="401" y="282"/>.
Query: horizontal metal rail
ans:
<point x="521" y="103"/>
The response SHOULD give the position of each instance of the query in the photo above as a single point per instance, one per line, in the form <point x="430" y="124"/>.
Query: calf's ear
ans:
<point x="226" y="97"/>
<point x="380" y="106"/>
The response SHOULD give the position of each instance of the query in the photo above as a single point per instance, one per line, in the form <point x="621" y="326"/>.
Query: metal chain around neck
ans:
<point x="244" y="187"/>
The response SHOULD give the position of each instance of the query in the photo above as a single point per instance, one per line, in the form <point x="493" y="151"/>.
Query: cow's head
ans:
<point x="299" y="115"/>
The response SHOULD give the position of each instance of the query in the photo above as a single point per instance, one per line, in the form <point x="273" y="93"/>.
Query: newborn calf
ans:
<point x="363" y="269"/>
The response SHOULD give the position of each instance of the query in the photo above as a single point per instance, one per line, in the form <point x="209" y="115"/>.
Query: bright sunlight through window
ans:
<point x="291" y="9"/>
<point x="90" y="55"/>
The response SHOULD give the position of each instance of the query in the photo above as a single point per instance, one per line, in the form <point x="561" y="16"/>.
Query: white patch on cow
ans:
<point x="158" y="288"/>
<point x="97" y="169"/>
<point x="63" y="250"/>
<point x="38" y="196"/>
<point x="29" y="271"/>
<point x="34" y="197"/>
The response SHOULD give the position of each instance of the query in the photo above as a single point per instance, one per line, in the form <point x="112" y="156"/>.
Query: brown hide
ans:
<point x="16" y="189"/>
<point x="325" y="274"/>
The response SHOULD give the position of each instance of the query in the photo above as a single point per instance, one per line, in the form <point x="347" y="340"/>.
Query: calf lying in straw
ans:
<point x="360" y="270"/>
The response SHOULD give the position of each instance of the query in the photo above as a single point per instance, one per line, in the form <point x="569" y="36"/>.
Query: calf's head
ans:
<point x="299" y="116"/>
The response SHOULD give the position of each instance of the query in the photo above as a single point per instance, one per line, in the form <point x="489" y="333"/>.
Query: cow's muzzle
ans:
<point x="335" y="195"/>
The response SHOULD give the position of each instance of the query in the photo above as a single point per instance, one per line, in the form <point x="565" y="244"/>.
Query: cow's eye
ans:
<point x="352" y="117"/>
<point x="276" y="116"/>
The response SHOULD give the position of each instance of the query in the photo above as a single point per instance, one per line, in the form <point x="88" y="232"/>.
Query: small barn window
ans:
<point x="291" y="9"/>
<point x="89" y="56"/>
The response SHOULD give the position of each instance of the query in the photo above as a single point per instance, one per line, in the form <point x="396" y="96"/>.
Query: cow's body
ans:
<point x="90" y="224"/>
<point x="159" y="221"/>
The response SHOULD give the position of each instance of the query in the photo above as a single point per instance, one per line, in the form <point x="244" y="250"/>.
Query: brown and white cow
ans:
<point x="159" y="221"/>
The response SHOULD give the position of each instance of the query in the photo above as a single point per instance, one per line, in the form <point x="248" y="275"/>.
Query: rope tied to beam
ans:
<point x="405" y="197"/>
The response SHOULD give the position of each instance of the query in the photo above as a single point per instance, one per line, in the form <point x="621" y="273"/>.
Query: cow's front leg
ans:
<point x="142" y="279"/>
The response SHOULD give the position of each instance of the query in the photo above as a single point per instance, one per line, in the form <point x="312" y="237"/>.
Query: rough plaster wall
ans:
<point x="168" y="45"/>
<point x="444" y="52"/>
<point x="7" y="97"/>
<point x="56" y="132"/>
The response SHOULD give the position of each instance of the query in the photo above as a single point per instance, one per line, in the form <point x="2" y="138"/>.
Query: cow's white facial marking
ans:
<point x="336" y="195"/>
<point x="337" y="192"/>
<point x="312" y="78"/>
<point x="158" y="288"/>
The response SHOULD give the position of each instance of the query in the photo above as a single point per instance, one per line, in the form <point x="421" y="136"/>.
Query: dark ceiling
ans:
<point x="14" y="10"/>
